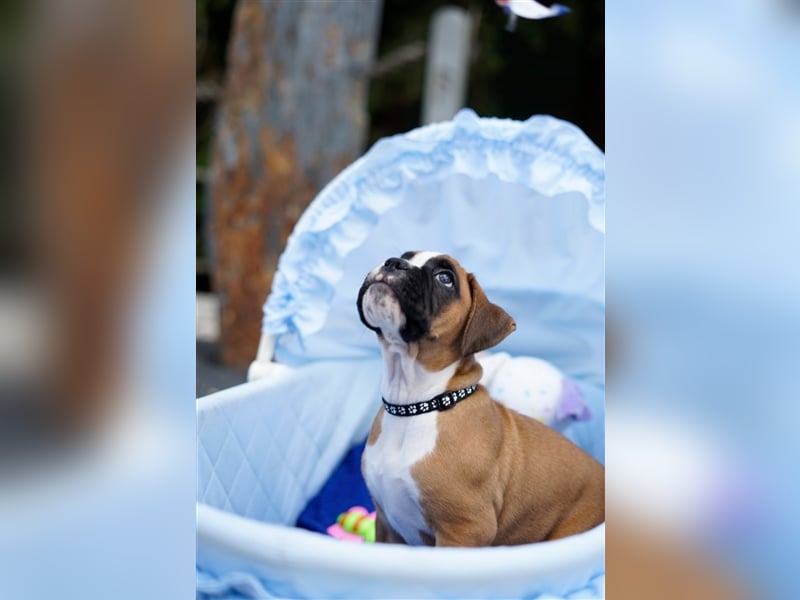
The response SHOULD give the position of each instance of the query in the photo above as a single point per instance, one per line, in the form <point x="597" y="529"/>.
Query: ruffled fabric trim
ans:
<point x="543" y="153"/>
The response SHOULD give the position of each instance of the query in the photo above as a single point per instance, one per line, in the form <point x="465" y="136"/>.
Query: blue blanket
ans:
<point x="343" y="490"/>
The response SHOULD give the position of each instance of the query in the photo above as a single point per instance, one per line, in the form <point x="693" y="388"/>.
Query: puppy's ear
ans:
<point x="487" y="324"/>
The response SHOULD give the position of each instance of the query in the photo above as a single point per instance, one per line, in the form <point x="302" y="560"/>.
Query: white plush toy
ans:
<point x="533" y="387"/>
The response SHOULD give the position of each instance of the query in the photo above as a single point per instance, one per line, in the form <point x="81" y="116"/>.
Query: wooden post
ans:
<point x="293" y="114"/>
<point x="446" y="66"/>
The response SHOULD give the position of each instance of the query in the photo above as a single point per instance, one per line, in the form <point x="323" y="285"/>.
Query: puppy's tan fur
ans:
<point x="495" y="477"/>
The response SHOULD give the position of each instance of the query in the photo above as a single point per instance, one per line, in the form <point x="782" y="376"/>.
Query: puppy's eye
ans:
<point x="445" y="278"/>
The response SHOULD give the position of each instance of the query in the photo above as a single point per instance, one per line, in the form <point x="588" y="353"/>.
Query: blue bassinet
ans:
<point x="520" y="204"/>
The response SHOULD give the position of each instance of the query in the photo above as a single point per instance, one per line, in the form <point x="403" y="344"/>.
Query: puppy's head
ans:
<point x="428" y="298"/>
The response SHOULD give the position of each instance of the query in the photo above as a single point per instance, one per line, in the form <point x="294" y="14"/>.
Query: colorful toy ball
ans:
<point x="354" y="525"/>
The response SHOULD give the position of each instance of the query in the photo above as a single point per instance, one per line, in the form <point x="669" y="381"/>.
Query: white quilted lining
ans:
<point x="265" y="448"/>
<point x="238" y="469"/>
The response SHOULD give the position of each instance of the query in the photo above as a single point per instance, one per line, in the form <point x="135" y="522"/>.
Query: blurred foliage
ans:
<point x="15" y="252"/>
<point x="553" y="66"/>
<point x="213" y="22"/>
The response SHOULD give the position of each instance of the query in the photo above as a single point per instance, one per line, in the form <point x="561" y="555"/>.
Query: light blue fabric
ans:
<point x="264" y="450"/>
<point x="519" y="204"/>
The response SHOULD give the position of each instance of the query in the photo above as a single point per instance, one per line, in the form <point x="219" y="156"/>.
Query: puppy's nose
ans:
<point x="395" y="264"/>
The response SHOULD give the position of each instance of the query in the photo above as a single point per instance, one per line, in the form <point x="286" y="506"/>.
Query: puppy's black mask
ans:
<point x="420" y="291"/>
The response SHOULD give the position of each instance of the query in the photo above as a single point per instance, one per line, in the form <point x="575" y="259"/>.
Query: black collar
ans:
<point x="440" y="402"/>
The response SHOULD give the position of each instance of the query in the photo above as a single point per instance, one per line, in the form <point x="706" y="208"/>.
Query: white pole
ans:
<point x="446" y="67"/>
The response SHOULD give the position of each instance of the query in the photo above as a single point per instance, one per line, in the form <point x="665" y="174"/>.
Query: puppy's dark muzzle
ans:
<point x="395" y="264"/>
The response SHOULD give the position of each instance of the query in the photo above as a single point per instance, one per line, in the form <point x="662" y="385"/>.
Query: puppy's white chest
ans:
<point x="402" y="443"/>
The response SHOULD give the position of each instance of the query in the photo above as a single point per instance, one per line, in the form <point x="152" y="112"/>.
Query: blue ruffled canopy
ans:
<point x="520" y="204"/>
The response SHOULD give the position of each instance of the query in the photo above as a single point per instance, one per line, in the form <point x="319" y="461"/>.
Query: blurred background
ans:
<point x="288" y="94"/>
<point x="96" y="299"/>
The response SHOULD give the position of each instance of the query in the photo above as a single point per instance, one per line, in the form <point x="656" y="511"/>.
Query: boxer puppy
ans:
<point x="445" y="464"/>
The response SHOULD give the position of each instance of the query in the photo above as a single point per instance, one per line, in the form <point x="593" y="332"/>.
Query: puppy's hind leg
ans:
<point x="472" y="533"/>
